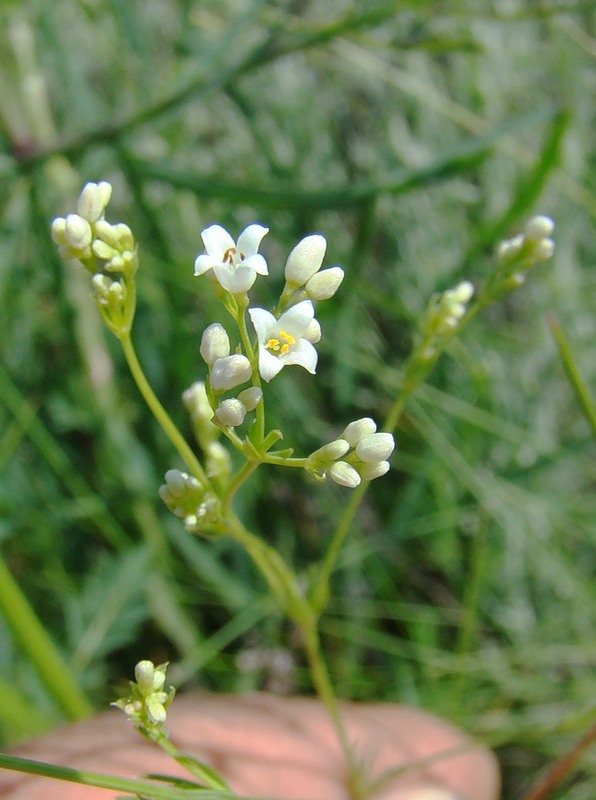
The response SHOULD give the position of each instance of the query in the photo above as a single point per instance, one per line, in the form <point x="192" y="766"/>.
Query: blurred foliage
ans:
<point x="412" y="135"/>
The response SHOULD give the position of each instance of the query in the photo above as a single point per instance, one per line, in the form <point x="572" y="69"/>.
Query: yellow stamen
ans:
<point x="287" y="337"/>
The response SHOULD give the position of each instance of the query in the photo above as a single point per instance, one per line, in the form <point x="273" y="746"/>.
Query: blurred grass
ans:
<point x="412" y="135"/>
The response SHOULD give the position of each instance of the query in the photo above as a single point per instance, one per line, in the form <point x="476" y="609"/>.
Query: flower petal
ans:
<point x="263" y="321"/>
<point x="217" y="240"/>
<point x="257" y="263"/>
<point x="235" y="279"/>
<point x="297" y="319"/>
<point x="203" y="263"/>
<point x="269" y="365"/>
<point x="250" y="239"/>
<point x="304" y="354"/>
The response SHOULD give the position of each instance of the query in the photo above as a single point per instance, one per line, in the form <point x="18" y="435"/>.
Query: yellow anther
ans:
<point x="284" y="350"/>
<point x="287" y="337"/>
<point x="273" y="344"/>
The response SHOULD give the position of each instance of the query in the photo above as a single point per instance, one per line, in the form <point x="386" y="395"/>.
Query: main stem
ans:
<point x="161" y="414"/>
<point x="324" y="688"/>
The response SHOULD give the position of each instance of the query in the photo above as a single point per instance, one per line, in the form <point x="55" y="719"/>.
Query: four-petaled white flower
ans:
<point x="285" y="340"/>
<point x="235" y="264"/>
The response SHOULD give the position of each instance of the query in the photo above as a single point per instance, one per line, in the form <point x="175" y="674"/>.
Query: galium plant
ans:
<point x="230" y="403"/>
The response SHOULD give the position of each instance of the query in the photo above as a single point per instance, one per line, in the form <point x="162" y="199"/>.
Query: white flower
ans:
<point x="235" y="265"/>
<point x="281" y="341"/>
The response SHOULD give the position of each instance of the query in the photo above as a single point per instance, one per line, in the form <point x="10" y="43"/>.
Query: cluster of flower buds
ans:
<point x="148" y="702"/>
<point x="186" y="498"/>
<point x="303" y="272"/>
<point x="359" y="453"/>
<point x="442" y="318"/>
<point x="529" y="248"/>
<point x="227" y="372"/>
<point x="88" y="237"/>
<point x="107" y="251"/>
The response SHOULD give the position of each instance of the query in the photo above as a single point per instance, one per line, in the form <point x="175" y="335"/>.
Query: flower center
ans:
<point x="281" y="346"/>
<point x="229" y="257"/>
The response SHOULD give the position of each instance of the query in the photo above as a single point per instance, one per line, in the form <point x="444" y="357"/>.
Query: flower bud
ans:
<point x="251" y="398"/>
<point x="107" y="233"/>
<point x="331" y="451"/>
<point x="375" y="447"/>
<point x="539" y="227"/>
<point x="230" y="371"/>
<point x="509" y="249"/>
<point x="156" y="711"/>
<point x="231" y="412"/>
<point x="462" y="293"/>
<point x="103" y="250"/>
<point x="59" y="230"/>
<point x="149" y="678"/>
<point x="77" y="232"/>
<point x="217" y="460"/>
<point x="214" y="344"/>
<point x="358" y="429"/>
<point x="305" y="259"/>
<point x="544" y="249"/>
<point x="93" y="200"/>
<point x="176" y="482"/>
<point x="368" y="472"/>
<point x="345" y="474"/>
<point x="313" y="333"/>
<point x="196" y="401"/>
<point x="325" y="284"/>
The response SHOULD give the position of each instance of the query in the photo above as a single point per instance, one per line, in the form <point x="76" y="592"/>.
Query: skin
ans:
<point x="269" y="746"/>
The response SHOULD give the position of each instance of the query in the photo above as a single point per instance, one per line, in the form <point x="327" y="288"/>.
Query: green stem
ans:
<point x="256" y="377"/>
<point x="138" y="788"/>
<point x="324" y="688"/>
<point x="39" y="648"/>
<point x="239" y="478"/>
<point x="578" y="384"/>
<point x="320" y="591"/>
<point x="205" y="774"/>
<point x="161" y="414"/>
